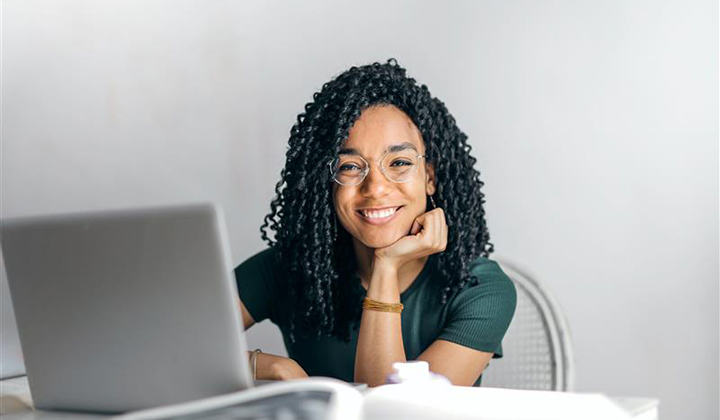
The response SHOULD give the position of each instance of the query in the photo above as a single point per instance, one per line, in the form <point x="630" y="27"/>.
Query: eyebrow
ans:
<point x="392" y="149"/>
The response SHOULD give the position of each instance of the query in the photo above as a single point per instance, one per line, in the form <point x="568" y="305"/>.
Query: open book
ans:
<point x="331" y="399"/>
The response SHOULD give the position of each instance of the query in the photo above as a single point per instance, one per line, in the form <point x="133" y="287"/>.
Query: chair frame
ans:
<point x="555" y="321"/>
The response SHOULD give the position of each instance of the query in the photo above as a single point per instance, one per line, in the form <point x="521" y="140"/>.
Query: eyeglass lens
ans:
<point x="397" y="167"/>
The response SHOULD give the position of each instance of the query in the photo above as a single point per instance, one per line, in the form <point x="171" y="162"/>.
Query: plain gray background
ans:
<point x="595" y="125"/>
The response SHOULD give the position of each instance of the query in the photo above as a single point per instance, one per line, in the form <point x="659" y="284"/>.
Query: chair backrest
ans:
<point x="537" y="350"/>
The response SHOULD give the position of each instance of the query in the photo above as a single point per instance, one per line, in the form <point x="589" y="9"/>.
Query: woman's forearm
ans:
<point x="380" y="337"/>
<point x="270" y="366"/>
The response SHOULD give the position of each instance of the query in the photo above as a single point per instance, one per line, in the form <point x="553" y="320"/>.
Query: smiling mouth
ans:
<point x="379" y="216"/>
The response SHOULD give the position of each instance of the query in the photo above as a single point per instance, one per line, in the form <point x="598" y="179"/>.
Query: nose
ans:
<point x="375" y="183"/>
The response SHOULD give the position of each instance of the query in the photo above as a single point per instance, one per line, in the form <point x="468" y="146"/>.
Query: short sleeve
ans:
<point x="479" y="315"/>
<point x="256" y="281"/>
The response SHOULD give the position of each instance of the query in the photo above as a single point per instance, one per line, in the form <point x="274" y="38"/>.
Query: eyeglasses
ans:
<point x="350" y="170"/>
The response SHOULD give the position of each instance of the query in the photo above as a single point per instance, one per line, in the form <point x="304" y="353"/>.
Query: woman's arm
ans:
<point x="380" y="341"/>
<point x="461" y="365"/>
<point x="270" y="366"/>
<point x="248" y="320"/>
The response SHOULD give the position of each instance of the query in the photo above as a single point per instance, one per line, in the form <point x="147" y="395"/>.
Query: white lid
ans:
<point x="415" y="370"/>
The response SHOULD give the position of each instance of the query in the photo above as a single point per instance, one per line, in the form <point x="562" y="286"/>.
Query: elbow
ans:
<point x="370" y="380"/>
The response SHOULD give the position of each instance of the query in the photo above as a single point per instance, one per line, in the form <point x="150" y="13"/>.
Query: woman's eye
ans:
<point x="401" y="163"/>
<point x="348" y="167"/>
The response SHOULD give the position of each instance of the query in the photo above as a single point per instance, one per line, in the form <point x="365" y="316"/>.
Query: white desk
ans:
<point x="16" y="404"/>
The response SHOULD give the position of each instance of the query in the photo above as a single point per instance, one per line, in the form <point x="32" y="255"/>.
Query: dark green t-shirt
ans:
<point x="476" y="317"/>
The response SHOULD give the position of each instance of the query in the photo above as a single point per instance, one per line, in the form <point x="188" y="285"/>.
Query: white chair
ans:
<point x="537" y="351"/>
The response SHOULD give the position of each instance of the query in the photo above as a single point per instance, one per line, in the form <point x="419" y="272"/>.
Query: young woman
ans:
<point x="380" y="243"/>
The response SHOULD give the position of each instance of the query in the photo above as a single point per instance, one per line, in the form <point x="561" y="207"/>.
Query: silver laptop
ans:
<point x="125" y="310"/>
<point x="11" y="362"/>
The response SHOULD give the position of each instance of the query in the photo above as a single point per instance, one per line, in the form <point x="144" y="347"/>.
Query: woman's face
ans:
<point x="378" y="212"/>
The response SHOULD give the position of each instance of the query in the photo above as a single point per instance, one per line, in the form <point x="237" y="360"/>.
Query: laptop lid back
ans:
<point x="11" y="362"/>
<point x="126" y="310"/>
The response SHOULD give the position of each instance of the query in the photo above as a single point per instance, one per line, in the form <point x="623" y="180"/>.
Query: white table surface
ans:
<point x="16" y="404"/>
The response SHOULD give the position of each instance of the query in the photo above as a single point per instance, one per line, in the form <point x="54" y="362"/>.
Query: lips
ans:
<point x="379" y="215"/>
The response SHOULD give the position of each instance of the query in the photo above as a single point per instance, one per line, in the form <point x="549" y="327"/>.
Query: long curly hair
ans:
<point x="323" y="294"/>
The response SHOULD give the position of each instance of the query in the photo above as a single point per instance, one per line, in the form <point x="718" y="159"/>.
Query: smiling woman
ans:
<point x="380" y="249"/>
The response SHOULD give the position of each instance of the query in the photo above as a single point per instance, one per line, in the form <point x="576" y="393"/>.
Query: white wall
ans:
<point x="595" y="124"/>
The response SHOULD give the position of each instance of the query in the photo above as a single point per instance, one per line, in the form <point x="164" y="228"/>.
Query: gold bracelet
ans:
<point x="375" y="305"/>
<point x="253" y="362"/>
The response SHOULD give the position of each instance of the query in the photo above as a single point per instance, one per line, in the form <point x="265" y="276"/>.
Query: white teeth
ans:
<point x="378" y="214"/>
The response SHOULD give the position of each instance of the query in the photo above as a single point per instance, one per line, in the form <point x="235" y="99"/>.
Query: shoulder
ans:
<point x="492" y="288"/>
<point x="260" y="270"/>
<point x="257" y="281"/>
<point x="481" y="312"/>
<point x="267" y="258"/>
<point x="485" y="269"/>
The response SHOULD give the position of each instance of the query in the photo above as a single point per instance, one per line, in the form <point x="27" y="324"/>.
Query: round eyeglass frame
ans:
<point x="367" y="171"/>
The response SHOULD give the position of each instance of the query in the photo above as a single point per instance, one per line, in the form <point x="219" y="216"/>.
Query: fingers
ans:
<point x="416" y="227"/>
<point x="428" y="235"/>
<point x="432" y="229"/>
<point x="441" y="229"/>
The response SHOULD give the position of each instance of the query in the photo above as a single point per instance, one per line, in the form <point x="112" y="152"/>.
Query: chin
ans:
<point x="381" y="242"/>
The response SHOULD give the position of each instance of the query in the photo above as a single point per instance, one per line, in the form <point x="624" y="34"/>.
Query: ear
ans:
<point x="429" y="179"/>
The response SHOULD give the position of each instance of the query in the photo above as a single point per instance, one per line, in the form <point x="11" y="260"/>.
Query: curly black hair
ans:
<point x="323" y="295"/>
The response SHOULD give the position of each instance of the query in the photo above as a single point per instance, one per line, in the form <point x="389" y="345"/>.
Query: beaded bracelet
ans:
<point x="375" y="305"/>
<point x="253" y="362"/>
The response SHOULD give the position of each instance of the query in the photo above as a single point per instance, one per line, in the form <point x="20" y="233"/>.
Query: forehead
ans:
<point x="380" y="127"/>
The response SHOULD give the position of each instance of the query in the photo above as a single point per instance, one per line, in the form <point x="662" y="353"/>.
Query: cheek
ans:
<point x="341" y="205"/>
<point x="417" y="198"/>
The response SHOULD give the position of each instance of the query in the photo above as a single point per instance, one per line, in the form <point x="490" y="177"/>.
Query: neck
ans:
<point x="365" y="257"/>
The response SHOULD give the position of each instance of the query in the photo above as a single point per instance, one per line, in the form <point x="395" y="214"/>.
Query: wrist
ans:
<point x="263" y="363"/>
<point x="269" y="366"/>
<point x="253" y="362"/>
<point x="286" y="368"/>
<point x="383" y="285"/>
<point x="384" y="268"/>
<point x="277" y="370"/>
